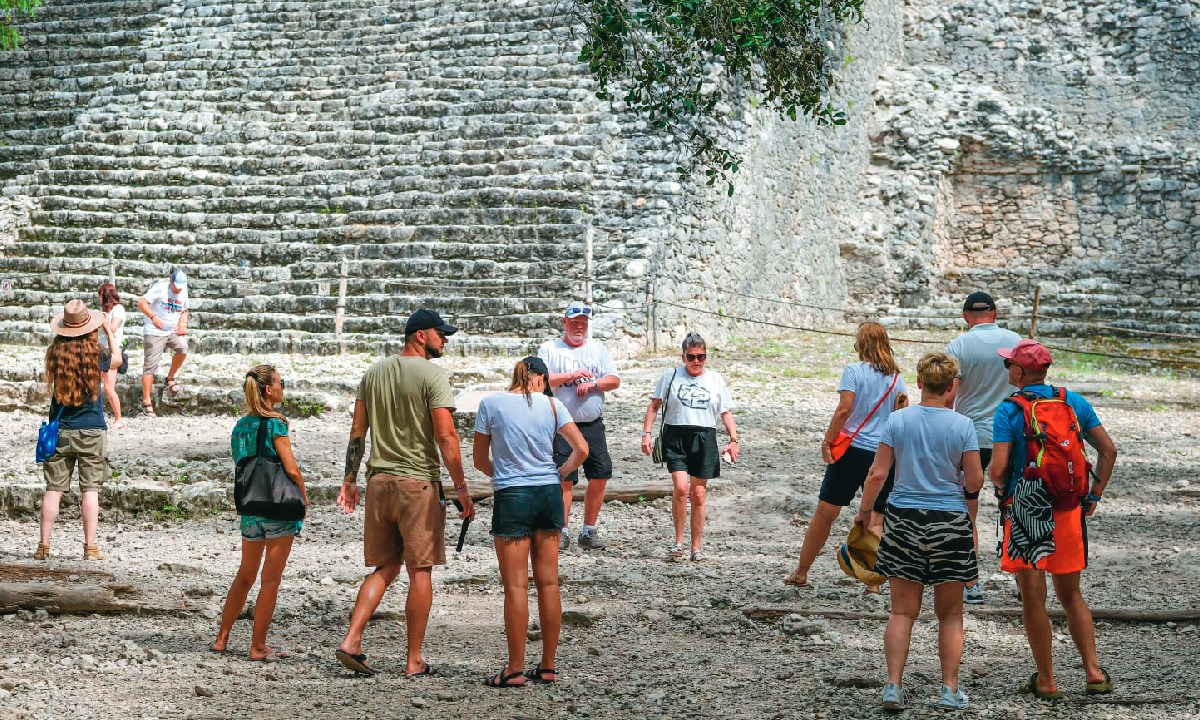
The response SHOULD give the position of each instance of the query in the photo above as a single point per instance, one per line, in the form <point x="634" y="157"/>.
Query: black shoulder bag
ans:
<point x="657" y="453"/>
<point x="262" y="488"/>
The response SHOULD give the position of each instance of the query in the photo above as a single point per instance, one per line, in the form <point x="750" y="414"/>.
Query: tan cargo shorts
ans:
<point x="405" y="522"/>
<point x="154" y="345"/>
<point x="78" y="448"/>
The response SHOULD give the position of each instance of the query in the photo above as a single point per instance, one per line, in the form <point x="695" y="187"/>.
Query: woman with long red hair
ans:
<point x="73" y="378"/>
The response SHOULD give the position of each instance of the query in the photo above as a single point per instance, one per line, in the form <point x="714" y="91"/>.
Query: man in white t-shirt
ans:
<point x="581" y="371"/>
<point x="981" y="385"/>
<point x="165" y="309"/>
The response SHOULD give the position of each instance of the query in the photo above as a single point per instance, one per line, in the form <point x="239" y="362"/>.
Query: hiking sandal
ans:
<point x="148" y="409"/>
<point x="1103" y="687"/>
<point x="173" y="386"/>
<point x="43" y="552"/>
<point x="500" y="680"/>
<point x="539" y="673"/>
<point x="1031" y="688"/>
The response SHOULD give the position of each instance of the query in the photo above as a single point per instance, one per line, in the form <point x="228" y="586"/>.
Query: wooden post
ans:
<point x="340" y="314"/>
<point x="653" y="315"/>
<point x="1037" y="301"/>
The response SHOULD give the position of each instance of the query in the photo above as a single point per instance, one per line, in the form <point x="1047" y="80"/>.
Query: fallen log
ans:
<point x="625" y="492"/>
<point x="65" y="600"/>
<point x="1114" y="615"/>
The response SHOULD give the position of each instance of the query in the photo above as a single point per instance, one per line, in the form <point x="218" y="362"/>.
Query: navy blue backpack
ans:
<point x="47" y="443"/>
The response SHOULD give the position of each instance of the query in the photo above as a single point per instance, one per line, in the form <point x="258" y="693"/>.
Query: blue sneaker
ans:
<point x="952" y="699"/>
<point x="893" y="698"/>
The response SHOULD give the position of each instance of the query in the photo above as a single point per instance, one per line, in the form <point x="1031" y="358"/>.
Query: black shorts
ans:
<point x="844" y="478"/>
<point x="598" y="465"/>
<point x="985" y="459"/>
<point x="692" y="449"/>
<point x="930" y="547"/>
<point x="106" y="362"/>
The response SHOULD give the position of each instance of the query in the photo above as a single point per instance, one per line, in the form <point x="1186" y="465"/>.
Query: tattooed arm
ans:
<point x="347" y="498"/>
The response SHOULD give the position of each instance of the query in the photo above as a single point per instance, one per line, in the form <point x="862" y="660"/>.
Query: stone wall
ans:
<point x="1026" y="144"/>
<point x="459" y="159"/>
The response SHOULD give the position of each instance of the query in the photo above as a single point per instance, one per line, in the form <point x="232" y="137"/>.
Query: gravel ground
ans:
<point x="646" y="637"/>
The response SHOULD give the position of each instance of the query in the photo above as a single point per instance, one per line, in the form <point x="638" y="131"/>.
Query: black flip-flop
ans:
<point x="539" y="673"/>
<point x="500" y="680"/>
<point x="358" y="663"/>
<point x="428" y="670"/>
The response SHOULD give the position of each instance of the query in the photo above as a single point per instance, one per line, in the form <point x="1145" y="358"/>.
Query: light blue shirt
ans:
<point x="983" y="381"/>
<point x="868" y="386"/>
<point x="522" y="438"/>
<point x="929" y="444"/>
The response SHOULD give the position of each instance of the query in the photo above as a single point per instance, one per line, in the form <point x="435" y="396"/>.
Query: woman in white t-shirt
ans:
<point x="695" y="398"/>
<point x="868" y="392"/>
<point x="514" y="445"/>
<point x="113" y="360"/>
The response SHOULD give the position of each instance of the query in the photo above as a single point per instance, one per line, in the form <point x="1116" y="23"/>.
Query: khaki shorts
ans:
<point x="405" y="522"/>
<point x="82" y="448"/>
<point x="153" y="346"/>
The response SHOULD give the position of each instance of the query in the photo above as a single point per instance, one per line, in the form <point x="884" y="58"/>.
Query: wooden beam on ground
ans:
<point x="1114" y="615"/>
<point x="622" y="492"/>
<point x="79" y="599"/>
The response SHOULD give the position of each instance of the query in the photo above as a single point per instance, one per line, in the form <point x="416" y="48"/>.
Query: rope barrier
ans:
<point x="1178" y="362"/>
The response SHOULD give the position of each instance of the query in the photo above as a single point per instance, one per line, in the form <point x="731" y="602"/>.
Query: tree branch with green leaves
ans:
<point x="678" y="62"/>
<point x="10" y="11"/>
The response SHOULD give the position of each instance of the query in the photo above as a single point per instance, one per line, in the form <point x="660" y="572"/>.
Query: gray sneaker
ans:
<point x="591" y="541"/>
<point x="893" y="698"/>
<point x="972" y="595"/>
<point x="564" y="540"/>
<point x="952" y="699"/>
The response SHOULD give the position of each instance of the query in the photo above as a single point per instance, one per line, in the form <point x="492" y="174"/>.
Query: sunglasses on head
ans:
<point x="576" y="312"/>
<point x="695" y="357"/>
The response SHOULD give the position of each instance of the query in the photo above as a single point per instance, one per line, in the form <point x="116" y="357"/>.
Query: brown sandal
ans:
<point x="148" y="409"/>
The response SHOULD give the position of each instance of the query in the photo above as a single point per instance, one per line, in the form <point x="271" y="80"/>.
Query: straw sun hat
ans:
<point x="76" y="320"/>
<point x="856" y="556"/>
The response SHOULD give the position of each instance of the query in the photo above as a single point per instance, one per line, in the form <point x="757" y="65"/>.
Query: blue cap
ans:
<point x="179" y="277"/>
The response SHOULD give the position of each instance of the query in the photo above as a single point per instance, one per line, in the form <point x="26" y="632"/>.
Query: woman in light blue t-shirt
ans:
<point x="514" y="445"/>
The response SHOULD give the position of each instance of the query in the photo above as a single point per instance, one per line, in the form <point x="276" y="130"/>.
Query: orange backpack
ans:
<point x="1054" y="447"/>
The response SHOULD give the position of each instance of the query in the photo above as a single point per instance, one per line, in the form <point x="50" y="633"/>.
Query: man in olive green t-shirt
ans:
<point x="406" y="403"/>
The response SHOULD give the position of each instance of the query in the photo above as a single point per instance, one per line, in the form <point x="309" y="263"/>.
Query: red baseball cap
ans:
<point x="1029" y="354"/>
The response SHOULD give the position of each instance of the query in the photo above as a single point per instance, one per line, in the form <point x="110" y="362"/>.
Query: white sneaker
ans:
<point x="972" y="595"/>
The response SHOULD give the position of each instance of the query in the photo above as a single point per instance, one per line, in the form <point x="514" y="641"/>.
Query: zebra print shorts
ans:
<point x="927" y="546"/>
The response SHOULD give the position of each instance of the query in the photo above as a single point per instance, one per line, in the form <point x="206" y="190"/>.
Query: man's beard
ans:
<point x="432" y="352"/>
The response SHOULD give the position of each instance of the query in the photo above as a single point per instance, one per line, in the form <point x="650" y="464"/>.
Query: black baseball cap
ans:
<point x="425" y="319"/>
<point x="537" y="366"/>
<point x="978" y="301"/>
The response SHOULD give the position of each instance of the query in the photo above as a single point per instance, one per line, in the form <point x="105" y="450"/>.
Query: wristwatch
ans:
<point x="647" y="432"/>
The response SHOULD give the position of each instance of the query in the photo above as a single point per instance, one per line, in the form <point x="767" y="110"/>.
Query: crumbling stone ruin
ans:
<point x="453" y="155"/>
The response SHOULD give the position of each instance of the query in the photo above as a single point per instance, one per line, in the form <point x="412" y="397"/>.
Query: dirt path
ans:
<point x="650" y="638"/>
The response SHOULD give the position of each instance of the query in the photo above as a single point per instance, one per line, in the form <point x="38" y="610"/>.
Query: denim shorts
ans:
<point x="519" y="511"/>
<point x="261" y="528"/>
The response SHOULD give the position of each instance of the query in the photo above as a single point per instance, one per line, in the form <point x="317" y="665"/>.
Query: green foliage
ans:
<point x="10" y="39"/>
<point x="682" y="63"/>
<point x="296" y="408"/>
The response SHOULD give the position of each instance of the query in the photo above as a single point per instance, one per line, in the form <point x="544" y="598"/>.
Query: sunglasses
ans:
<point x="1008" y="364"/>
<point x="576" y="312"/>
<point x="282" y="384"/>
<point x="695" y="357"/>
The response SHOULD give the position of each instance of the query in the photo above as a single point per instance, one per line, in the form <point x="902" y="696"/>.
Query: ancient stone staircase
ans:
<point x="449" y="162"/>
